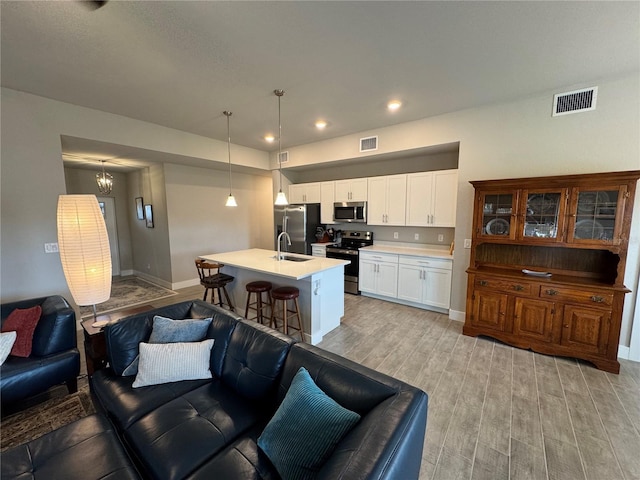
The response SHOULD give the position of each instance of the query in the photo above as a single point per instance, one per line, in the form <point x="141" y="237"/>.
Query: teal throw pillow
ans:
<point x="167" y="330"/>
<point x="305" y="429"/>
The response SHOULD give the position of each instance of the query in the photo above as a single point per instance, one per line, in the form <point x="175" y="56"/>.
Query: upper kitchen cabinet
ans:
<point x="304" y="193"/>
<point x="387" y="200"/>
<point x="327" y="197"/>
<point x="352" y="190"/>
<point x="431" y="198"/>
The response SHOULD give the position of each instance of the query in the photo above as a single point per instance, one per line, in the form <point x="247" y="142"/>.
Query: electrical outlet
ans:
<point x="51" y="248"/>
<point x="416" y="236"/>
<point x="440" y="237"/>
<point x="395" y="235"/>
<point x="467" y="243"/>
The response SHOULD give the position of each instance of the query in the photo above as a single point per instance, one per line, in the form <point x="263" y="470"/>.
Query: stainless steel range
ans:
<point x="347" y="249"/>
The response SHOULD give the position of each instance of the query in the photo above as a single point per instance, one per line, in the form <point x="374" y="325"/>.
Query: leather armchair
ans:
<point x="54" y="358"/>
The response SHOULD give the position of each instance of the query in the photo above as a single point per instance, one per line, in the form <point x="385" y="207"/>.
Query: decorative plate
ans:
<point x="587" y="201"/>
<point x="497" y="226"/>
<point x="588" y="230"/>
<point x="540" y="204"/>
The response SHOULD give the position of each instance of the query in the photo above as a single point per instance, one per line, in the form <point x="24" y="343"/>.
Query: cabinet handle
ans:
<point x="566" y="325"/>
<point x="551" y="292"/>
<point x="501" y="314"/>
<point x="518" y="288"/>
<point x="483" y="283"/>
<point x="597" y="299"/>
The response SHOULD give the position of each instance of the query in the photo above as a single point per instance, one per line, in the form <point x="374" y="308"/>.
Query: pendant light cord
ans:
<point x="228" y="114"/>
<point x="279" y="93"/>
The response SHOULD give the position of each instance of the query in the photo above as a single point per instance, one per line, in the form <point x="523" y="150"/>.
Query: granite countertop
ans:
<point x="414" y="251"/>
<point x="264" y="261"/>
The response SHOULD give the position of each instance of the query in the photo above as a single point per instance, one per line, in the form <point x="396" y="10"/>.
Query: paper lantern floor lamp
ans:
<point x="84" y="249"/>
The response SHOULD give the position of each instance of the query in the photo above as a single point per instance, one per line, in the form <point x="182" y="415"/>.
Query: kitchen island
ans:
<point x="320" y="281"/>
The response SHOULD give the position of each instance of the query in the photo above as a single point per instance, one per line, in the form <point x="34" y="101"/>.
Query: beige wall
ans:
<point x="199" y="223"/>
<point x="81" y="181"/>
<point x="516" y="139"/>
<point x="499" y="141"/>
<point x="32" y="177"/>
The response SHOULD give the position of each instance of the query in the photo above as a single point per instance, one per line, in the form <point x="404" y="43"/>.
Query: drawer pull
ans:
<point x="551" y="292"/>
<point x="566" y="325"/>
<point x="518" y="288"/>
<point x="597" y="299"/>
<point x="483" y="283"/>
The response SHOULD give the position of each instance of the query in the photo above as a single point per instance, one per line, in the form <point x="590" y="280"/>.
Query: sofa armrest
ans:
<point x="387" y="443"/>
<point x="56" y="329"/>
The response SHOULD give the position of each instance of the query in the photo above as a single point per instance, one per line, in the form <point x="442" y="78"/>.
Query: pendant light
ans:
<point x="281" y="199"/>
<point x="105" y="181"/>
<point x="231" y="201"/>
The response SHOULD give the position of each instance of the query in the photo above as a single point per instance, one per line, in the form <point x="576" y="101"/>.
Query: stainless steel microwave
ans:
<point x="350" y="212"/>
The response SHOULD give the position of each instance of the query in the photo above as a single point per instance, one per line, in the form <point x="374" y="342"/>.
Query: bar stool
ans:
<point x="258" y="287"/>
<point x="214" y="281"/>
<point x="285" y="294"/>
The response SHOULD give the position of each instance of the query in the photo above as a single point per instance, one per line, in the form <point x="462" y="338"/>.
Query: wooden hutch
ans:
<point x="547" y="266"/>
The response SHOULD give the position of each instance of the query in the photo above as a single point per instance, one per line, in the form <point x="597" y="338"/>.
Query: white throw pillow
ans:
<point x="173" y="362"/>
<point x="7" y="339"/>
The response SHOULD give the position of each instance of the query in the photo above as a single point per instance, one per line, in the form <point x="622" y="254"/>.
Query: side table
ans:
<point x="95" y="347"/>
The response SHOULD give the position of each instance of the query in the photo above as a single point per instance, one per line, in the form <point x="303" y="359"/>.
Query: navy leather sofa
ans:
<point x="54" y="358"/>
<point x="201" y="429"/>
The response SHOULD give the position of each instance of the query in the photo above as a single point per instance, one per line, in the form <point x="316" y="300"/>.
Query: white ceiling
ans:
<point x="181" y="63"/>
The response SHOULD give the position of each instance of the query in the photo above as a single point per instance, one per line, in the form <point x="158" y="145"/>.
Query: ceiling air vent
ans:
<point x="369" y="143"/>
<point x="574" y="102"/>
<point x="284" y="157"/>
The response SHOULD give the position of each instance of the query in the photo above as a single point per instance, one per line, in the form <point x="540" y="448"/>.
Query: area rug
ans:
<point x="128" y="292"/>
<point x="29" y="424"/>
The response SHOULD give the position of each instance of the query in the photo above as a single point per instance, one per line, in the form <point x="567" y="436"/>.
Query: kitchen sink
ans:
<point x="291" y="258"/>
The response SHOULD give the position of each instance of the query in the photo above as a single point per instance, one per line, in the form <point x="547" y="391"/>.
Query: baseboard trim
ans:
<point x="152" y="279"/>
<point x="623" y="352"/>
<point x="456" y="315"/>
<point x="186" y="283"/>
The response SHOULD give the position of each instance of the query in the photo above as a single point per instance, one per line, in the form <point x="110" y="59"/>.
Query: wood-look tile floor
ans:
<point x="497" y="412"/>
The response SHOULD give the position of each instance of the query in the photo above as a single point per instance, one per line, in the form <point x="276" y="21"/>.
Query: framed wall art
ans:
<point x="148" y="215"/>
<point x="139" y="208"/>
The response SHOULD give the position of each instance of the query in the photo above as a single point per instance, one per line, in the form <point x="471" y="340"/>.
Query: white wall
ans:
<point x="517" y="139"/>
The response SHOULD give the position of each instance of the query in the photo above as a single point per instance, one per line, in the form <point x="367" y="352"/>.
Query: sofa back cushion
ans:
<point x="124" y="336"/>
<point x="56" y="330"/>
<point x="253" y="362"/>
<point x="353" y="386"/>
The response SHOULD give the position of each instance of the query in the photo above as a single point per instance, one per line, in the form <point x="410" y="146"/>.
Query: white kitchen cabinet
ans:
<point x="378" y="273"/>
<point x="431" y="198"/>
<point x="327" y="197"/>
<point x="319" y="250"/>
<point x="352" y="190"/>
<point x="304" y="193"/>
<point x="425" y="281"/>
<point x="387" y="200"/>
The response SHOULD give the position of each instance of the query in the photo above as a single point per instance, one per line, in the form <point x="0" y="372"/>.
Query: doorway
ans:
<point x="108" y="207"/>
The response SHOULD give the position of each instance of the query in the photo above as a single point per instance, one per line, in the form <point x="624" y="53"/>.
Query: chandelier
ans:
<point x="104" y="181"/>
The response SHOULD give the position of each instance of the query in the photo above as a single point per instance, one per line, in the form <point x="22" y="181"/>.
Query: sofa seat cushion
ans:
<point x="87" y="449"/>
<point x="125" y="404"/>
<point x="242" y="459"/>
<point x="24" y="377"/>
<point x="193" y="429"/>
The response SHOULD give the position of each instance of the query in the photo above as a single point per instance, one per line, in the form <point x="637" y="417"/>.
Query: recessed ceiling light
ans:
<point x="321" y="124"/>
<point x="269" y="138"/>
<point x="394" y="105"/>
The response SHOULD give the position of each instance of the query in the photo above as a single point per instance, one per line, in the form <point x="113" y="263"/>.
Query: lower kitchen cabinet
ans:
<point x="422" y="282"/>
<point x="379" y="274"/>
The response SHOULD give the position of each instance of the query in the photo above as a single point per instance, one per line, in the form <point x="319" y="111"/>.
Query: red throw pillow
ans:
<point x="23" y="322"/>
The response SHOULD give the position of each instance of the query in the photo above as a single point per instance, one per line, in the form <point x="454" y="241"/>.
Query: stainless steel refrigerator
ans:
<point x="300" y="222"/>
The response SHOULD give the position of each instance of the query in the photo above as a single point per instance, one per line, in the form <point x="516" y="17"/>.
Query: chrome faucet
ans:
<point x="278" y="256"/>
